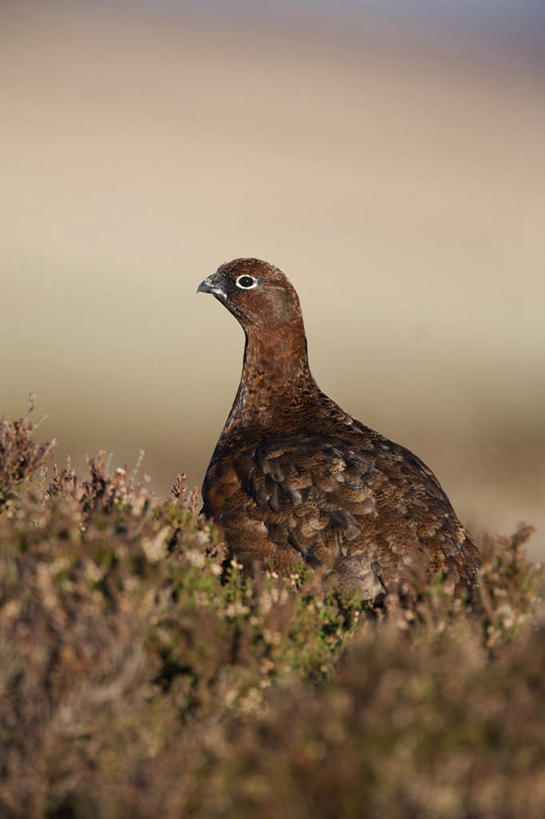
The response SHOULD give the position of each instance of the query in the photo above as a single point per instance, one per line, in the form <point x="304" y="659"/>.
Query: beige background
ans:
<point x="399" y="186"/>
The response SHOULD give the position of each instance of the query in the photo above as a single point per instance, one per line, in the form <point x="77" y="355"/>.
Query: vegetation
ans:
<point x="142" y="676"/>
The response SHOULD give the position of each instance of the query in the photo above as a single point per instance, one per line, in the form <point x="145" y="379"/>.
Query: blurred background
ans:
<point x="388" y="157"/>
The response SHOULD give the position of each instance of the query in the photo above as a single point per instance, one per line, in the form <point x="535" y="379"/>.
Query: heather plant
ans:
<point x="141" y="674"/>
<point x="20" y="456"/>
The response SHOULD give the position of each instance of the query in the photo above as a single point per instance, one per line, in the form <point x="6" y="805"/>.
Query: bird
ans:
<point x="295" y="481"/>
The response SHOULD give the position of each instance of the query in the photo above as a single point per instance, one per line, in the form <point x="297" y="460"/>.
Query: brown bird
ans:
<point x="295" y="480"/>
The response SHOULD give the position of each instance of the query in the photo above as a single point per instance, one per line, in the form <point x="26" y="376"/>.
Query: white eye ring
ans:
<point x="244" y="278"/>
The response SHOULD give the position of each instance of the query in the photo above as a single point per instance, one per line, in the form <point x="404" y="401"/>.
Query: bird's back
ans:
<point x="328" y="491"/>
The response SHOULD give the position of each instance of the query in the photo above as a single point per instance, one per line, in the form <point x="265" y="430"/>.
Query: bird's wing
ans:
<point x="325" y="502"/>
<point x="298" y="499"/>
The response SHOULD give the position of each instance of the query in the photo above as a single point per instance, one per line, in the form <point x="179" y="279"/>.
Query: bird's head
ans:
<point x="255" y="292"/>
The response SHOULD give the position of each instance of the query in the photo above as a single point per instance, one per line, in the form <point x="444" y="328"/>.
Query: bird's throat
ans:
<point x="276" y="380"/>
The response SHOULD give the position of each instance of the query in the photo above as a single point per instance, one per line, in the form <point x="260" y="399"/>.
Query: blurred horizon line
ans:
<point x="504" y="30"/>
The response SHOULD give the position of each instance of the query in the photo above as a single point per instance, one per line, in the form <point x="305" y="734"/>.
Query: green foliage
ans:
<point x="142" y="675"/>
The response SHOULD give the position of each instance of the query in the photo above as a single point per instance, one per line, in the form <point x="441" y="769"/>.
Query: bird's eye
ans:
<point x="246" y="282"/>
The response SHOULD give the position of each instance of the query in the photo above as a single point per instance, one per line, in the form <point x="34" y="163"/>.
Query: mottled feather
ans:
<point x="294" y="480"/>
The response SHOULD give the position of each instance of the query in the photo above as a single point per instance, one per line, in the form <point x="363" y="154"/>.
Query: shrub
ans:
<point x="142" y="675"/>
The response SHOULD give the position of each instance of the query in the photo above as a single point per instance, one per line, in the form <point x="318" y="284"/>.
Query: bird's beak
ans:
<point x="205" y="286"/>
<point x="211" y="285"/>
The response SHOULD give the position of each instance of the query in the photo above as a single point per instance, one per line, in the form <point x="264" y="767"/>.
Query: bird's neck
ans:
<point x="276" y="381"/>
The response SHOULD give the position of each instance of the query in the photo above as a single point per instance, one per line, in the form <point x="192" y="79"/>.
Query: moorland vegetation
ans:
<point x="141" y="675"/>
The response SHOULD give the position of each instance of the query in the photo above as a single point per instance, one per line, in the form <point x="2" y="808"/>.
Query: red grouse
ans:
<point x="294" y="480"/>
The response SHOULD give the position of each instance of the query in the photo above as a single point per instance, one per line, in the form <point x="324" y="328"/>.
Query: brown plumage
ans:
<point x="295" y="480"/>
